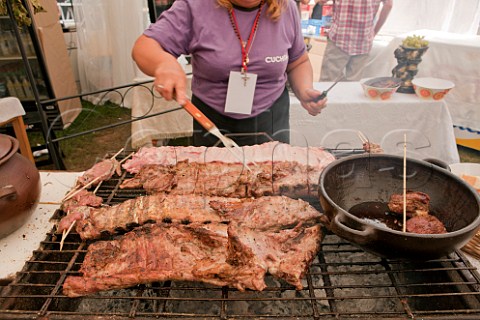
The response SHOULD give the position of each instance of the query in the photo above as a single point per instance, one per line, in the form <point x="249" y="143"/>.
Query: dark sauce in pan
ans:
<point x="377" y="212"/>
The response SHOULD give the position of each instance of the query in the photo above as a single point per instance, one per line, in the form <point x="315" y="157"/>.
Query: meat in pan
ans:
<point x="425" y="224"/>
<point x="418" y="213"/>
<point x="418" y="203"/>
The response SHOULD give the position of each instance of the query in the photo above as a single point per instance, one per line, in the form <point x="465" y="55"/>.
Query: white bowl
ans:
<point x="432" y="88"/>
<point x="380" y="88"/>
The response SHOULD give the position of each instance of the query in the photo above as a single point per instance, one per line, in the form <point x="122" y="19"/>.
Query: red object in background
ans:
<point x="327" y="10"/>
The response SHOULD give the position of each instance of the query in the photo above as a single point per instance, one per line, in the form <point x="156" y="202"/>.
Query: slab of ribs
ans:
<point x="249" y="238"/>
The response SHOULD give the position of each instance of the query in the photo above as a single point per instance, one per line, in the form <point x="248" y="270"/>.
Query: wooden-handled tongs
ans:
<point x="231" y="146"/>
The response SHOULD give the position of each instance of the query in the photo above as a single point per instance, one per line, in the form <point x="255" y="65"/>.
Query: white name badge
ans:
<point x="241" y="88"/>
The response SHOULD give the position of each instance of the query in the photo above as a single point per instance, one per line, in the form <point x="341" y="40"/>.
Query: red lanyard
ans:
<point x="248" y="45"/>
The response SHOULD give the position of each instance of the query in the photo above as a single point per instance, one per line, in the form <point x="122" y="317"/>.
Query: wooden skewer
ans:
<point x="405" y="182"/>
<point x="65" y="234"/>
<point x="80" y="189"/>
<point x="71" y="192"/>
<point x="98" y="186"/>
<point x="362" y="137"/>
<point x="125" y="159"/>
<point x="116" y="154"/>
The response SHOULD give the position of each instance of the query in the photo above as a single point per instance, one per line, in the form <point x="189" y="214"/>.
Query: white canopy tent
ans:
<point x="106" y="32"/>
<point x="456" y="16"/>
<point x="107" y="29"/>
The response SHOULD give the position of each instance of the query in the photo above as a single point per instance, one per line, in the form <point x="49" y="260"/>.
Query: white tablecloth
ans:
<point x="455" y="57"/>
<point x="17" y="247"/>
<point x="428" y="124"/>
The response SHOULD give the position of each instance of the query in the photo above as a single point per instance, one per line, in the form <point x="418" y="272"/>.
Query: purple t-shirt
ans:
<point x="203" y="29"/>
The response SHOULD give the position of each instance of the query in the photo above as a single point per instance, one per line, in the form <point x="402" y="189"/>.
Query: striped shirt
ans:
<point x="353" y="23"/>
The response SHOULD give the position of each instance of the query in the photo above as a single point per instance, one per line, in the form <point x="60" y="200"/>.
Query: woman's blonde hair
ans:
<point x="275" y="7"/>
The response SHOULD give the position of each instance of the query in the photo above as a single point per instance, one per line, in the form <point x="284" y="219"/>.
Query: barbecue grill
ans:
<point x="343" y="282"/>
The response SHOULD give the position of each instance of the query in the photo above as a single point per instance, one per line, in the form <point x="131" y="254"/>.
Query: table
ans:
<point x="450" y="56"/>
<point x="428" y="124"/>
<point x="17" y="247"/>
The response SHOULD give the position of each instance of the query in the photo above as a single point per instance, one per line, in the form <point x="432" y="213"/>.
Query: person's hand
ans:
<point x="310" y="104"/>
<point x="171" y="81"/>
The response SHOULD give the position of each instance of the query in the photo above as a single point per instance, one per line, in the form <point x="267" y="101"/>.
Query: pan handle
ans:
<point x="438" y="163"/>
<point x="357" y="236"/>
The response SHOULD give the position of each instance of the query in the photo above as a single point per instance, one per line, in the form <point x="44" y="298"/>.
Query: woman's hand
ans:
<point x="312" y="104"/>
<point x="171" y="81"/>
<point x="170" y="78"/>
<point x="300" y="76"/>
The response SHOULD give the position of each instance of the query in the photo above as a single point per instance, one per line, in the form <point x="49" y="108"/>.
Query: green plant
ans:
<point x="19" y="11"/>
<point x="415" y="41"/>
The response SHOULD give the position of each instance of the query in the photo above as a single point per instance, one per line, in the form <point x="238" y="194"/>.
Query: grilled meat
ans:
<point x="157" y="253"/>
<point x="101" y="171"/>
<point x="418" y="203"/>
<point x="82" y="198"/>
<point x="425" y="224"/>
<point x="228" y="179"/>
<point x="371" y="147"/>
<point x="315" y="157"/>
<point x="265" y="212"/>
<point x="286" y="254"/>
<point x="141" y="210"/>
<point x="195" y="252"/>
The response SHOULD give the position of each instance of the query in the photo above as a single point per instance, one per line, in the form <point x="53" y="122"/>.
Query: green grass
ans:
<point x="82" y="151"/>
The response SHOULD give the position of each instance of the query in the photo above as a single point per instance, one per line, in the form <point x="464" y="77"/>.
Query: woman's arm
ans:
<point x="170" y="79"/>
<point x="300" y="77"/>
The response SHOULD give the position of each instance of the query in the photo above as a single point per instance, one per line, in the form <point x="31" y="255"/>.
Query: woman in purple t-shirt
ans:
<point x="243" y="52"/>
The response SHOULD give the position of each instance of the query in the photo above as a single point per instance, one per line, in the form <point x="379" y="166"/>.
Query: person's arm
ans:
<point x="170" y="78"/>
<point x="384" y="12"/>
<point x="300" y="77"/>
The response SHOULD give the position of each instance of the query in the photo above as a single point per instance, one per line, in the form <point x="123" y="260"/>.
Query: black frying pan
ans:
<point x="350" y="181"/>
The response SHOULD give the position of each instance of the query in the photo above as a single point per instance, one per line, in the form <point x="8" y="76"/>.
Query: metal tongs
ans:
<point x="230" y="145"/>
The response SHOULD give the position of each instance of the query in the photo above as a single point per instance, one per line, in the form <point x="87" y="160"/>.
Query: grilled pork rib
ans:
<point x="228" y="179"/>
<point x="315" y="157"/>
<point x="286" y="254"/>
<point x="156" y="253"/>
<point x="266" y="212"/>
<point x="195" y="252"/>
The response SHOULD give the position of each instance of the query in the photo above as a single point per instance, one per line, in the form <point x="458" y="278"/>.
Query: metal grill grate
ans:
<point x="343" y="282"/>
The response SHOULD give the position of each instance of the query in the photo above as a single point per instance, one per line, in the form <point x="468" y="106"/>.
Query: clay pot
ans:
<point x="20" y="186"/>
